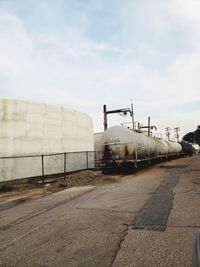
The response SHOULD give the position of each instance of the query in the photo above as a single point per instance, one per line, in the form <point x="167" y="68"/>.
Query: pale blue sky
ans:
<point x="83" y="54"/>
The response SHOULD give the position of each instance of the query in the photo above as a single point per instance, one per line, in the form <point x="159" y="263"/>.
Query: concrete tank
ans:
<point x="29" y="128"/>
<point x="34" y="128"/>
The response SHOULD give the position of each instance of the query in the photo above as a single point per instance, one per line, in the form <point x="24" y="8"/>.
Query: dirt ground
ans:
<point x="88" y="178"/>
<point x="37" y="188"/>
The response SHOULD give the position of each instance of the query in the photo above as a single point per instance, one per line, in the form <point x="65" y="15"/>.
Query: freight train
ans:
<point x="125" y="148"/>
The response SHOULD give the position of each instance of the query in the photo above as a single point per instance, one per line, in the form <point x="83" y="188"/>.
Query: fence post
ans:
<point x="87" y="159"/>
<point x="65" y="161"/>
<point x="43" y="168"/>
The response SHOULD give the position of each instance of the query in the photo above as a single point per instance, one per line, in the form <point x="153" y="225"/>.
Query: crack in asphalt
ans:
<point x="122" y="238"/>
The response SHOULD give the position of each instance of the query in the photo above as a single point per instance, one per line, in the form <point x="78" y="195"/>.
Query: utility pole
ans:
<point x="177" y="130"/>
<point x="167" y="129"/>
<point x="149" y="127"/>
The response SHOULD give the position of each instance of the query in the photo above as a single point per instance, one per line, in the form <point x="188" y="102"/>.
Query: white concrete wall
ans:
<point x="33" y="128"/>
<point x="28" y="128"/>
<point x="98" y="142"/>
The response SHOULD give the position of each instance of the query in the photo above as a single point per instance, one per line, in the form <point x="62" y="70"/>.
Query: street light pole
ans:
<point x="123" y="111"/>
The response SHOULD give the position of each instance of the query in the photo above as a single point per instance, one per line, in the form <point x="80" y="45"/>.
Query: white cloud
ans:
<point x="187" y="11"/>
<point x="71" y="68"/>
<point x="15" y="45"/>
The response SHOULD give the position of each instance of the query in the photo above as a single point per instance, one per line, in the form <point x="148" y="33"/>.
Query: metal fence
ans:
<point x="18" y="167"/>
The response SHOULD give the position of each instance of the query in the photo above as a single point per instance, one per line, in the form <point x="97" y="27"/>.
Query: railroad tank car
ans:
<point x="121" y="145"/>
<point x="187" y="148"/>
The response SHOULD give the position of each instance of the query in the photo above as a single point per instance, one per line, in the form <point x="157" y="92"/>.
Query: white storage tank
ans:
<point x="29" y="128"/>
<point x="33" y="128"/>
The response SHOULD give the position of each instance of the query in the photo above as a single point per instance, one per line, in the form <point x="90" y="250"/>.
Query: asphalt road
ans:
<point x="147" y="219"/>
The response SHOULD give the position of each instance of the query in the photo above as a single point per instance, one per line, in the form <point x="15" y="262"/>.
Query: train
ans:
<point x="125" y="148"/>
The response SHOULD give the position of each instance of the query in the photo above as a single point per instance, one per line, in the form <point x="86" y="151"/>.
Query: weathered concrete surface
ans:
<point x="174" y="246"/>
<point x="95" y="229"/>
<point x="84" y="232"/>
<point x="36" y="207"/>
<point x="64" y="237"/>
<point x="186" y="208"/>
<point x="126" y="197"/>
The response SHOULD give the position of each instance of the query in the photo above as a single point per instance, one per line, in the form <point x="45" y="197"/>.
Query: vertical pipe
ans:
<point x="105" y="118"/>
<point x="43" y="168"/>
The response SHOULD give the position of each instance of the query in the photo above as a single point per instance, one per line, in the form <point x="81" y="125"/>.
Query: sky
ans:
<point x="82" y="54"/>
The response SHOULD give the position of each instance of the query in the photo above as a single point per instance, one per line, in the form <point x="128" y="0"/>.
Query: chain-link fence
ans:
<point x="18" y="167"/>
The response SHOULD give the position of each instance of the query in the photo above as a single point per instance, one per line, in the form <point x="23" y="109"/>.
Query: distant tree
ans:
<point x="197" y="135"/>
<point x="193" y="137"/>
<point x="189" y="137"/>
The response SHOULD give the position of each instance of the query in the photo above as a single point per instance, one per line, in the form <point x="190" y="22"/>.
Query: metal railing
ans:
<point x="29" y="166"/>
<point x="18" y="167"/>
